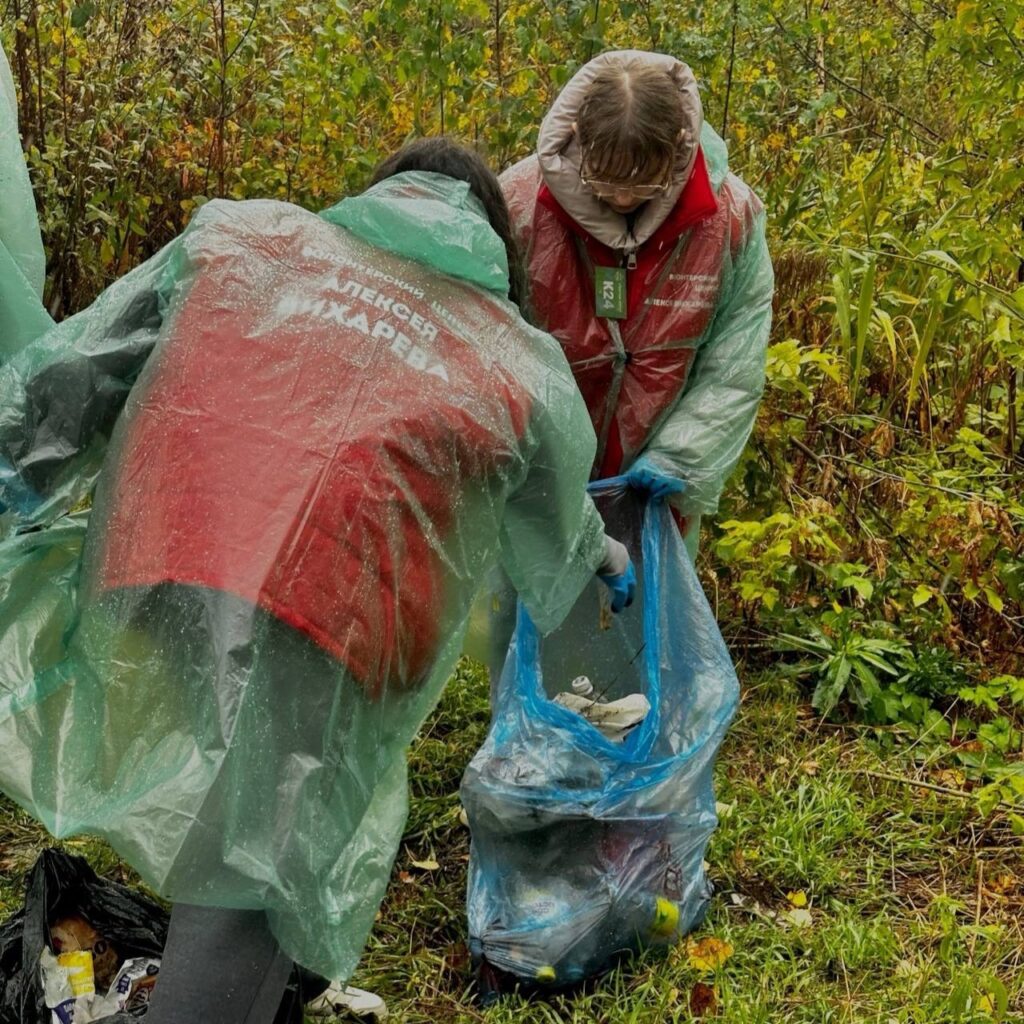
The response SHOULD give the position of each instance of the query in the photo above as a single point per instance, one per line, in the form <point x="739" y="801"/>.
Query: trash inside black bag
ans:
<point x="67" y="903"/>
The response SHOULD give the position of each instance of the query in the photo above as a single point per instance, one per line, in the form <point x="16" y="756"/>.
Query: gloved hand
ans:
<point x="644" y="475"/>
<point x="617" y="573"/>
<point x="15" y="495"/>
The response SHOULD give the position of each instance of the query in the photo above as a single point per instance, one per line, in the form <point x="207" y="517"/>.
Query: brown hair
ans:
<point x="628" y="123"/>
<point x="443" y="156"/>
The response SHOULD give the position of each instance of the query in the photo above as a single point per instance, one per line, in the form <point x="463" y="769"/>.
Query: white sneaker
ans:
<point x="343" y="1000"/>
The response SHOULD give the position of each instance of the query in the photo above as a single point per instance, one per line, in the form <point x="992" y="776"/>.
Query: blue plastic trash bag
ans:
<point x="585" y="846"/>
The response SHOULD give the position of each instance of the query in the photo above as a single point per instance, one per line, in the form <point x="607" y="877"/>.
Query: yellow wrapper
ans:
<point x="78" y="966"/>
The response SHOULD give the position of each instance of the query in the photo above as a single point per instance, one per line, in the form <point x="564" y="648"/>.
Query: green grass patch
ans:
<point x="914" y="904"/>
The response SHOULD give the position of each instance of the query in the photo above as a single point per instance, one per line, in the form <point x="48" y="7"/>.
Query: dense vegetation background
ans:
<point x="872" y="541"/>
<point x="874" y="529"/>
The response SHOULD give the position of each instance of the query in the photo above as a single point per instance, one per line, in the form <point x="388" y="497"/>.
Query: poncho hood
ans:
<point x="559" y="153"/>
<point x="430" y="218"/>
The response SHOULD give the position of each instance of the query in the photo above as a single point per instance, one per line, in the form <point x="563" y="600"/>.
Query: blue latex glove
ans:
<point x="15" y="494"/>
<point x="622" y="586"/>
<point x="644" y="475"/>
<point x="616" y="572"/>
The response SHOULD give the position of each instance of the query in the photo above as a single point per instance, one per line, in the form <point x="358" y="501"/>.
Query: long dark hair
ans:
<point x="443" y="156"/>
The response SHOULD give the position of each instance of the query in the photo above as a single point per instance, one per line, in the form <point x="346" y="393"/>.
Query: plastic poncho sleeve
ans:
<point x="61" y="395"/>
<point x="22" y="262"/>
<point x="552" y="537"/>
<point x="703" y="436"/>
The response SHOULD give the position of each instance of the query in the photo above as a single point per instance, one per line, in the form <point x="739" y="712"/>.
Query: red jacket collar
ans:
<point x="696" y="203"/>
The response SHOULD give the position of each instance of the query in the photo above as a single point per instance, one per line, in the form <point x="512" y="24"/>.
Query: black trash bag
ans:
<point x="60" y="886"/>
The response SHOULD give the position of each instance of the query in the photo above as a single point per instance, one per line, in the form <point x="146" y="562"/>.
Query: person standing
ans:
<point x="647" y="260"/>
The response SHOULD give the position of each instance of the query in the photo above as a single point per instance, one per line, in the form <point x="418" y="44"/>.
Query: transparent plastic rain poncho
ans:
<point x="584" y="846"/>
<point x="680" y="379"/>
<point x="309" y="438"/>
<point x="22" y="263"/>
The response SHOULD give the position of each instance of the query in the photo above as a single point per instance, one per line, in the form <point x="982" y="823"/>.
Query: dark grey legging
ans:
<point x="224" y="966"/>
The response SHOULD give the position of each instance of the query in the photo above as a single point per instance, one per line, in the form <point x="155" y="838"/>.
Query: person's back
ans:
<point x="338" y="449"/>
<point x="309" y="438"/>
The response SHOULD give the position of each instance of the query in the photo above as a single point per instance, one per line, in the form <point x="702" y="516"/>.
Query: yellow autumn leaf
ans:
<point x="798" y="898"/>
<point x="708" y="954"/>
<point x="426" y="865"/>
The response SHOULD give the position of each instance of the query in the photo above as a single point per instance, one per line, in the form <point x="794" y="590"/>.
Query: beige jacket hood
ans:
<point x="559" y="153"/>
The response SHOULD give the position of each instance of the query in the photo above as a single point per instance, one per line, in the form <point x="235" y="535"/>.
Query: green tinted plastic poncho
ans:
<point x="675" y="375"/>
<point x="306" y="448"/>
<point x="22" y="263"/>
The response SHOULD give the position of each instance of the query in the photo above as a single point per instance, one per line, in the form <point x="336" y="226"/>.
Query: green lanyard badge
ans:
<point x="610" y="292"/>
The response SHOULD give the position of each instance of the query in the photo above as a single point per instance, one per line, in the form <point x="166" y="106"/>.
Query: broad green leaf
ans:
<point x="889" y="333"/>
<point x="841" y="292"/>
<point x="864" y="309"/>
<point x="924" y="345"/>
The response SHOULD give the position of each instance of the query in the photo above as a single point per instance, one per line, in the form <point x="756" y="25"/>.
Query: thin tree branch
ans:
<point x="815" y="63"/>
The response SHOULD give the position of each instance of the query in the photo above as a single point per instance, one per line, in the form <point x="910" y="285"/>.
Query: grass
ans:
<point x="916" y="904"/>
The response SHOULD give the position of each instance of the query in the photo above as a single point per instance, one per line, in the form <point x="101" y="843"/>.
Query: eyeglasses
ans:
<point x="609" y="190"/>
<point x="614" y="189"/>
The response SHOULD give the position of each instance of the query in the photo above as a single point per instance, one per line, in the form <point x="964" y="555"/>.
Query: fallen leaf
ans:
<point x="951" y="777"/>
<point x="799" y="917"/>
<point x="906" y="969"/>
<point x="457" y="957"/>
<point x="404" y="876"/>
<point x="708" y="954"/>
<point x="1001" y="883"/>
<point x="810" y="767"/>
<point x="426" y="865"/>
<point x="797" y="899"/>
<point x="703" y="1000"/>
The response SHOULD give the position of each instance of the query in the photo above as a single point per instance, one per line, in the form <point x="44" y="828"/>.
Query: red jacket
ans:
<point x="672" y="296"/>
<point x="303" y="436"/>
